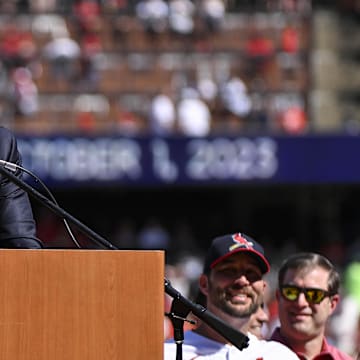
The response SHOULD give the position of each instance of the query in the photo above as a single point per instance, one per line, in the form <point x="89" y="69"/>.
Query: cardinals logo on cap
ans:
<point x="240" y="241"/>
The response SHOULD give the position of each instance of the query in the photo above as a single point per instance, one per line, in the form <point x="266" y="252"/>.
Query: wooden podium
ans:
<point x="81" y="304"/>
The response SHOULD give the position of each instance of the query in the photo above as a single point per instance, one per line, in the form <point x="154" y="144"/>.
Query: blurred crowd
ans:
<point x="154" y="66"/>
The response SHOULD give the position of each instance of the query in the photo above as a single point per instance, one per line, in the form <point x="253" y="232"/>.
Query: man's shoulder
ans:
<point x="272" y="349"/>
<point x="6" y="139"/>
<point x="194" y="345"/>
<point x="337" y="353"/>
<point x="5" y="133"/>
<point x="196" y="340"/>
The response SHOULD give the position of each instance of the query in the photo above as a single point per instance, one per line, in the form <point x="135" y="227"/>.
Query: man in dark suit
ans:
<point x="17" y="224"/>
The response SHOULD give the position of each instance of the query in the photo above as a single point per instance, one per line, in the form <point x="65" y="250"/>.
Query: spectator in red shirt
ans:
<point x="308" y="293"/>
<point x="290" y="41"/>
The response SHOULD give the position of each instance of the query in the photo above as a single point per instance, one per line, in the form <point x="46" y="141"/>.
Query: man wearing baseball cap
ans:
<point x="232" y="285"/>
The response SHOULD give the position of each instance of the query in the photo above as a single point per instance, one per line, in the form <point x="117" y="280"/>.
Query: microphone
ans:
<point x="51" y="203"/>
<point x="231" y="334"/>
<point x="9" y="165"/>
<point x="14" y="167"/>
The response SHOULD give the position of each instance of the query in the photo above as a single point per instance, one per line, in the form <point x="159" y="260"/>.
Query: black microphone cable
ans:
<point x="14" y="167"/>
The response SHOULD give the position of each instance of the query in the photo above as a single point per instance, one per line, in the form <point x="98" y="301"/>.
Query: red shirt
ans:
<point x="328" y="352"/>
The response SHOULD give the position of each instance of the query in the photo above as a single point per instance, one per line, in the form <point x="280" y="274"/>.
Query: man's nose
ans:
<point x="264" y="317"/>
<point x="242" y="279"/>
<point x="302" y="299"/>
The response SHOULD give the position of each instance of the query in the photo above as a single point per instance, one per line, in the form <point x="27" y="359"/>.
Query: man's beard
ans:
<point x="219" y="299"/>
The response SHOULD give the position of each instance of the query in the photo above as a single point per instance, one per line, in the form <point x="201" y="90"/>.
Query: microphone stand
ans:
<point x="177" y="315"/>
<point x="181" y="306"/>
<point x="234" y="336"/>
<point x="57" y="210"/>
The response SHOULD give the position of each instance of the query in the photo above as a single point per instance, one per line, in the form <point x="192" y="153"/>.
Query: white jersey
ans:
<point x="198" y="347"/>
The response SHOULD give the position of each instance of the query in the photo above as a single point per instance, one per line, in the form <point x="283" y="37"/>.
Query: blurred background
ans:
<point x="162" y="124"/>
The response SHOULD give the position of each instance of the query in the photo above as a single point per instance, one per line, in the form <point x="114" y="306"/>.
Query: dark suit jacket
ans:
<point x="17" y="224"/>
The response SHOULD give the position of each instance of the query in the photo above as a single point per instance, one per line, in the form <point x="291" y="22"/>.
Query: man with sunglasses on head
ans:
<point x="307" y="294"/>
<point x="232" y="288"/>
<point x="17" y="225"/>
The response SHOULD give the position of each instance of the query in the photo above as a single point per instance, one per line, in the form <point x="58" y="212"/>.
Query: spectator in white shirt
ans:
<point x="194" y="117"/>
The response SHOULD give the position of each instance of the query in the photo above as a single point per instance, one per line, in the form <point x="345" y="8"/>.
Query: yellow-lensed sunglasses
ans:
<point x="312" y="295"/>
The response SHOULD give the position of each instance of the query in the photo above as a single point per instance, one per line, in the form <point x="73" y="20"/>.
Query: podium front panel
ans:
<point x="81" y="304"/>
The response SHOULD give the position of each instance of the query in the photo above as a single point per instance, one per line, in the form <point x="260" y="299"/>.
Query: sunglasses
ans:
<point x="312" y="295"/>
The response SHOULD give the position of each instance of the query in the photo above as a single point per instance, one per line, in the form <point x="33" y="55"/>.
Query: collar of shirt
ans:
<point x="328" y="352"/>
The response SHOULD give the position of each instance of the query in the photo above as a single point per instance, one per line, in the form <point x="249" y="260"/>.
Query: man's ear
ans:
<point x="334" y="300"/>
<point x="204" y="284"/>
<point x="265" y="285"/>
